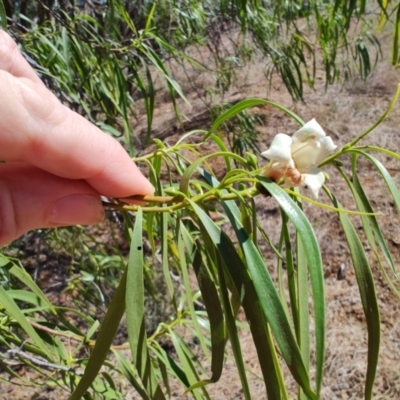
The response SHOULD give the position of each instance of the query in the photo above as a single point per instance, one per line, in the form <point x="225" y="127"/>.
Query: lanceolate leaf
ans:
<point x="396" y="38"/>
<point x="370" y="223"/>
<point x="134" y="300"/>
<point x="230" y="315"/>
<point x="369" y="301"/>
<point x="291" y="272"/>
<point x="259" y="330"/>
<point x="173" y="368"/>
<point x="213" y="306"/>
<point x="130" y="374"/>
<point x="272" y="382"/>
<point x="24" y="277"/>
<point x="242" y="105"/>
<point x="394" y="191"/>
<point x="304" y="312"/>
<point x="184" y="237"/>
<point x="315" y="267"/>
<point x="108" y="329"/>
<point x="164" y="250"/>
<point x="11" y="307"/>
<point x="187" y="360"/>
<point x="267" y="295"/>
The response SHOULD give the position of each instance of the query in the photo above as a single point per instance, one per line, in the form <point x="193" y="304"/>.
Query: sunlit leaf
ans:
<point x="366" y="286"/>
<point x="315" y="267"/>
<point x="134" y="300"/>
<point x="104" y="340"/>
<point x="266" y="292"/>
<point x="11" y="307"/>
<point x="244" y="104"/>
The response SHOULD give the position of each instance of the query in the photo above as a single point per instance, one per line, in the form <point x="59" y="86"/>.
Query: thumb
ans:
<point x="32" y="198"/>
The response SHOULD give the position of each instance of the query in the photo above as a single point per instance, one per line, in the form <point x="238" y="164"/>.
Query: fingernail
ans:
<point x="77" y="209"/>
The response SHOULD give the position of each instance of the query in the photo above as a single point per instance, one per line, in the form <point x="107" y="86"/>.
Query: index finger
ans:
<point x="12" y="61"/>
<point x="35" y="127"/>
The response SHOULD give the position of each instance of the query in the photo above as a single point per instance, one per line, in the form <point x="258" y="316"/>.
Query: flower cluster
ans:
<point x="294" y="159"/>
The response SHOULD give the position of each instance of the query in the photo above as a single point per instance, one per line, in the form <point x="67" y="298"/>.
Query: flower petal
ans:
<point x="280" y="150"/>
<point x="314" y="179"/>
<point x="311" y="128"/>
<point x="305" y="154"/>
<point x="327" y="148"/>
<point x="311" y="146"/>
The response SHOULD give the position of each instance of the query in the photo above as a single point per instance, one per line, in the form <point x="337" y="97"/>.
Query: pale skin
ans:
<point x="57" y="164"/>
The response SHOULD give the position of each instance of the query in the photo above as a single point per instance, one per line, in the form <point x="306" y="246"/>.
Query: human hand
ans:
<point x="57" y="164"/>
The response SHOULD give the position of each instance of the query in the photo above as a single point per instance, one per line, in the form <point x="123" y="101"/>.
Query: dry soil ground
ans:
<point x="344" y="112"/>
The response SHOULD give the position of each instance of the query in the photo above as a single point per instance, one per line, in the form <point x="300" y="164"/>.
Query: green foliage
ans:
<point x="101" y="62"/>
<point x="195" y="240"/>
<point x="100" y="74"/>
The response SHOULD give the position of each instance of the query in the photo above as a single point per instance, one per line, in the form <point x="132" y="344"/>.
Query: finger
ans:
<point x="35" y="127"/>
<point x="32" y="198"/>
<point x="12" y="61"/>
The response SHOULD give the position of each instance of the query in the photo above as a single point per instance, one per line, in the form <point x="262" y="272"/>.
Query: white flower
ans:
<point x="295" y="159"/>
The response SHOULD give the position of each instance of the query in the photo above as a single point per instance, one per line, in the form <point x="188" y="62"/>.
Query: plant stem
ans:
<point x="180" y="201"/>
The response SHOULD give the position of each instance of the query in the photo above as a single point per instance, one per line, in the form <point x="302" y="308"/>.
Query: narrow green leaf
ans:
<point x="212" y="304"/>
<point x="366" y="285"/>
<point x="266" y="292"/>
<point x="385" y="175"/>
<point x="280" y="269"/>
<point x="134" y="300"/>
<point x="123" y="11"/>
<point x="25" y="296"/>
<point x="150" y="102"/>
<point x="184" y="237"/>
<point x="370" y="223"/>
<point x="304" y="312"/>
<point x="131" y="375"/>
<point x="190" y="170"/>
<point x="92" y="330"/>
<point x="396" y="38"/>
<point x="62" y="352"/>
<point x="4" y="260"/>
<point x="165" y="258"/>
<point x="230" y="316"/>
<point x="315" y="268"/>
<point x="172" y="84"/>
<point x="163" y="372"/>
<point x="20" y="273"/>
<point x="8" y="303"/>
<point x="291" y="274"/>
<point x="186" y="360"/>
<point x="147" y="92"/>
<point x="244" y="104"/>
<point x="150" y="17"/>
<point x="108" y="329"/>
<point x="174" y="369"/>
<point x="229" y="309"/>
